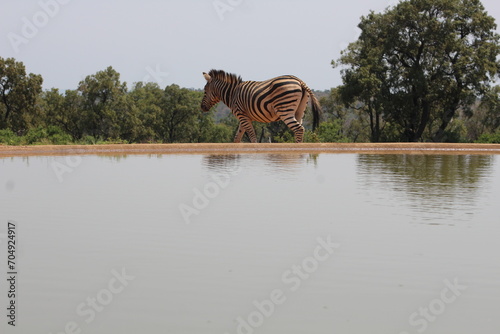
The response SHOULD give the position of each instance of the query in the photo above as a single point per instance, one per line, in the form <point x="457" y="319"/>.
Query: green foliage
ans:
<point x="219" y="133"/>
<point x="417" y="64"/>
<point x="8" y="137"/>
<point x="64" y="111"/>
<point x="489" y="138"/>
<point x="456" y="132"/>
<point x="311" y="137"/>
<point x="105" y="108"/>
<point x="285" y="137"/>
<point x="51" y="135"/>
<point x="278" y="132"/>
<point x="331" y="132"/>
<point x="179" y="114"/>
<point x="19" y="95"/>
<point x="89" y="140"/>
<point x="209" y="132"/>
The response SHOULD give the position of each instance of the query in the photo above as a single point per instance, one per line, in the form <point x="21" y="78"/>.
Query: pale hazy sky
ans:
<point x="173" y="41"/>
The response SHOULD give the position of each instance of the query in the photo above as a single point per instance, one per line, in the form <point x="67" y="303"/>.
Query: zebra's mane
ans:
<point x="225" y="77"/>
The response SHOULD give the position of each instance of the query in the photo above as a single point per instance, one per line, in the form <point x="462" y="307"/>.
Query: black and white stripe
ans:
<point x="283" y="98"/>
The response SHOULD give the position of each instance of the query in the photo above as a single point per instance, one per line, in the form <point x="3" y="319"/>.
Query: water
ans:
<point x="269" y="243"/>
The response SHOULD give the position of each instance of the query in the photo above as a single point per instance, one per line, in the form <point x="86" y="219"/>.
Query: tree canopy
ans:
<point x="18" y="95"/>
<point x="416" y="65"/>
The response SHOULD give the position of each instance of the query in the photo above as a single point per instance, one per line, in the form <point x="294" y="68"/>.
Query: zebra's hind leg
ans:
<point x="299" y="114"/>
<point x="245" y="126"/>
<point x="293" y="124"/>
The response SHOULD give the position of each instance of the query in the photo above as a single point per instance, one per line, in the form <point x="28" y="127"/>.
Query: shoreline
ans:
<point x="231" y="148"/>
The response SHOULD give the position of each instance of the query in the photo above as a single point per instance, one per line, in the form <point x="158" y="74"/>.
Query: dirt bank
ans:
<point x="382" y="148"/>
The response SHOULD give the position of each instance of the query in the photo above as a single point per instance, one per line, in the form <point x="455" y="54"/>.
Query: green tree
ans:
<point x="105" y="108"/>
<point x="489" y="138"/>
<point x="19" y="93"/>
<point x="171" y="115"/>
<point x="485" y="121"/>
<point x="333" y="106"/>
<point x="147" y="97"/>
<point x="64" y="111"/>
<point x="210" y="132"/>
<point x="490" y="110"/>
<point x="351" y="117"/>
<point x="331" y="132"/>
<point x="415" y="65"/>
<point x="179" y="114"/>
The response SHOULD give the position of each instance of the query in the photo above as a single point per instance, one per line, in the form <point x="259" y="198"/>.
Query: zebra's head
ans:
<point x="211" y="98"/>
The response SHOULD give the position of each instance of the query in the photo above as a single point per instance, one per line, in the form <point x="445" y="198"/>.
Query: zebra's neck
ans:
<point x="225" y="91"/>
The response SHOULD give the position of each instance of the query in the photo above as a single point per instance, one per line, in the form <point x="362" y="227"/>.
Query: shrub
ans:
<point x="8" y="137"/>
<point x="489" y="138"/>
<point x="51" y="135"/>
<point x="331" y="132"/>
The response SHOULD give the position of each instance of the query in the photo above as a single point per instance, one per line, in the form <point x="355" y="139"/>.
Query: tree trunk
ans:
<point x="374" y="124"/>
<point x="424" y="119"/>
<point x="440" y="135"/>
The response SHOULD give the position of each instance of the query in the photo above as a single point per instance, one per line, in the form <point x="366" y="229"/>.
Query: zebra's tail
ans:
<point x="316" y="107"/>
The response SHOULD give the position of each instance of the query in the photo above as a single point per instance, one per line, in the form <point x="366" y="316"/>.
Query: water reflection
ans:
<point x="435" y="186"/>
<point x="277" y="162"/>
<point x="218" y="162"/>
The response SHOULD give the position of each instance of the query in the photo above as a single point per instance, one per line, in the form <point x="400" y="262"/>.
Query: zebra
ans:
<point x="282" y="98"/>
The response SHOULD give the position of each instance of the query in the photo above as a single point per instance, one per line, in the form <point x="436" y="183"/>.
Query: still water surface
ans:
<point x="268" y="243"/>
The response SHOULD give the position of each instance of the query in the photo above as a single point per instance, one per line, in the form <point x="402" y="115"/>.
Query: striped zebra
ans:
<point x="283" y="98"/>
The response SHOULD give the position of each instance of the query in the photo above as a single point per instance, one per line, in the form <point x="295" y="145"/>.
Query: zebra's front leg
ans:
<point x="239" y="134"/>
<point x="246" y="126"/>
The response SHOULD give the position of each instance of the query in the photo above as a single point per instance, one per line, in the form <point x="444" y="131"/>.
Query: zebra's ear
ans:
<point x="207" y="77"/>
